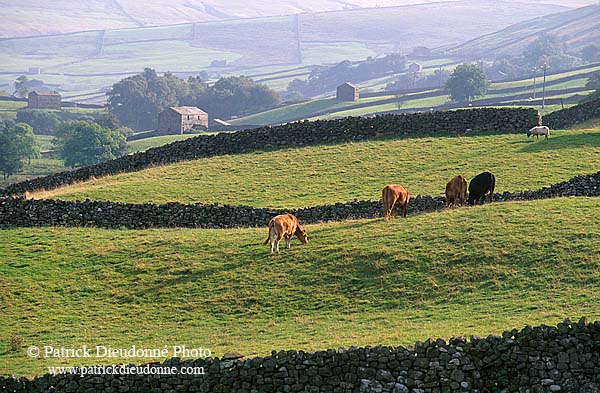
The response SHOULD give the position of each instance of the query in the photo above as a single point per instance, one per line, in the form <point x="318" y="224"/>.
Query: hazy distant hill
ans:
<point x="576" y="28"/>
<point x="35" y="17"/>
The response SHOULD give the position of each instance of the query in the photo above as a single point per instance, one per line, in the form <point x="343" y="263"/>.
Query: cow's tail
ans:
<point x="269" y="234"/>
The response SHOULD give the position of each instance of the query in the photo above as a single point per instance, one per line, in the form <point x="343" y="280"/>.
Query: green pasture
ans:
<point x="338" y="173"/>
<point x="467" y="271"/>
<point x="147" y="143"/>
<point x="160" y="55"/>
<point x="322" y="53"/>
<point x="173" y="32"/>
<point x="35" y="168"/>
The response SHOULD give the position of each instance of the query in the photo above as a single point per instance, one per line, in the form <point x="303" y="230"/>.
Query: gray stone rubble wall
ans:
<point x="493" y="120"/>
<point x="569" y="117"/>
<point x="563" y="358"/>
<point x="20" y="212"/>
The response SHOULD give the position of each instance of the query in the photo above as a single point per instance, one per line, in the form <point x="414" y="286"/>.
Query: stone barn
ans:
<point x="347" y="92"/>
<point x="178" y="119"/>
<point x="39" y="100"/>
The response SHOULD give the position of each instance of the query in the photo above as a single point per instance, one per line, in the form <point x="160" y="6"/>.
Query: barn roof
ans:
<point x="45" y="93"/>
<point x="348" y="84"/>
<point x="188" y="110"/>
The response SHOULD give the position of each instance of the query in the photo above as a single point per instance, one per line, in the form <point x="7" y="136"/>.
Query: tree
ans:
<point x="21" y="87"/>
<point x="108" y="120"/>
<point x="546" y="46"/>
<point x="236" y="95"/>
<point x="590" y="53"/>
<point x="594" y="81"/>
<point x="42" y="121"/>
<point x="17" y="143"/>
<point x="82" y="143"/>
<point x="466" y="82"/>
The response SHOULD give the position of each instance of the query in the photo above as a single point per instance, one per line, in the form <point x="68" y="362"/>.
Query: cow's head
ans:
<point x="529" y="133"/>
<point x="302" y="235"/>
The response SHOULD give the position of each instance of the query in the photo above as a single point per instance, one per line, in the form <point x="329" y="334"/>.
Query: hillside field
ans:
<point x="327" y="174"/>
<point x="563" y="84"/>
<point x="456" y="272"/>
<point x="94" y="60"/>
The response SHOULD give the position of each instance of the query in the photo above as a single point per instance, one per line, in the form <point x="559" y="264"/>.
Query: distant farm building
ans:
<point x="39" y="100"/>
<point x="347" y="92"/>
<point x="218" y="63"/>
<point x="178" y="119"/>
<point x="415" y="67"/>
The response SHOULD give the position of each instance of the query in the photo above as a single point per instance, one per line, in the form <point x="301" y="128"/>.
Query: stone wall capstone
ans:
<point x="493" y="120"/>
<point x="554" y="359"/>
<point x="21" y="212"/>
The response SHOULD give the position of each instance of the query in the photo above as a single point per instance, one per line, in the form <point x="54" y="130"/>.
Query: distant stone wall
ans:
<point x="493" y="120"/>
<point x="569" y="117"/>
<point x="20" y="212"/>
<point x="563" y="358"/>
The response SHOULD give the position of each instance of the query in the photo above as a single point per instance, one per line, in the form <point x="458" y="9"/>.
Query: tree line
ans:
<point x="137" y="100"/>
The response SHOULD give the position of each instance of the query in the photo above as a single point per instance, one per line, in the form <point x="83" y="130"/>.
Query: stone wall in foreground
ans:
<point x="559" y="359"/>
<point x="493" y="120"/>
<point x="20" y="212"/>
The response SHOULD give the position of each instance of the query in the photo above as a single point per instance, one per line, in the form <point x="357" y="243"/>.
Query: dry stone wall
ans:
<point x="563" y="358"/>
<point x="569" y="117"/>
<point x="493" y="120"/>
<point x="20" y="212"/>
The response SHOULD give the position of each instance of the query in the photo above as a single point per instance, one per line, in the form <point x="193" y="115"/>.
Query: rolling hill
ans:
<point x="27" y="18"/>
<point x="568" y="85"/>
<point x="363" y="282"/>
<point x="94" y="60"/>
<point x="338" y="173"/>
<point x="576" y="28"/>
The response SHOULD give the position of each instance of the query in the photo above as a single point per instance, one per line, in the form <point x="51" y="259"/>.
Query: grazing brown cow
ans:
<point x="285" y="226"/>
<point x="456" y="191"/>
<point x="394" y="196"/>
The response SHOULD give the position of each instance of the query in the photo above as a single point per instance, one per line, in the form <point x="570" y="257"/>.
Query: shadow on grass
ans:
<point x="562" y="142"/>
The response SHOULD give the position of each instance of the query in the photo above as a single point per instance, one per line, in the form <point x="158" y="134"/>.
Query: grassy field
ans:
<point x="328" y="174"/>
<point x="147" y="143"/>
<point x="457" y="272"/>
<point x="313" y="109"/>
<point x="46" y="166"/>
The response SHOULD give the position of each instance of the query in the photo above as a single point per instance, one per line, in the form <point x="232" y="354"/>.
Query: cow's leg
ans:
<point x="272" y="244"/>
<point x="288" y="241"/>
<point x="405" y="210"/>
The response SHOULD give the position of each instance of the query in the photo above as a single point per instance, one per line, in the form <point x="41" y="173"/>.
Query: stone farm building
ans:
<point x="39" y="100"/>
<point x="347" y="92"/>
<point x="178" y="119"/>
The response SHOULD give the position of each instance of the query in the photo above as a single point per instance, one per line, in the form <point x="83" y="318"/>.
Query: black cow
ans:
<point x="479" y="186"/>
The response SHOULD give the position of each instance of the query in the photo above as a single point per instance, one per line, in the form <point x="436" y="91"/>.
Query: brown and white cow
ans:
<point x="285" y="226"/>
<point x="456" y="191"/>
<point x="394" y="196"/>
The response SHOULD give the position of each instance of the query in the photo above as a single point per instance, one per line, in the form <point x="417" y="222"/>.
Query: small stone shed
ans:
<point x="347" y="92"/>
<point x="43" y="100"/>
<point x="178" y="119"/>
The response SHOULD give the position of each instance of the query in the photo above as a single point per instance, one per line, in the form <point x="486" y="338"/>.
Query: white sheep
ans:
<point x="539" y="130"/>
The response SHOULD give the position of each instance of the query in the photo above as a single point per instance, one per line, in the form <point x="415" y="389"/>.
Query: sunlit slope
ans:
<point x="463" y="271"/>
<point x="327" y="174"/>
<point x="575" y="28"/>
